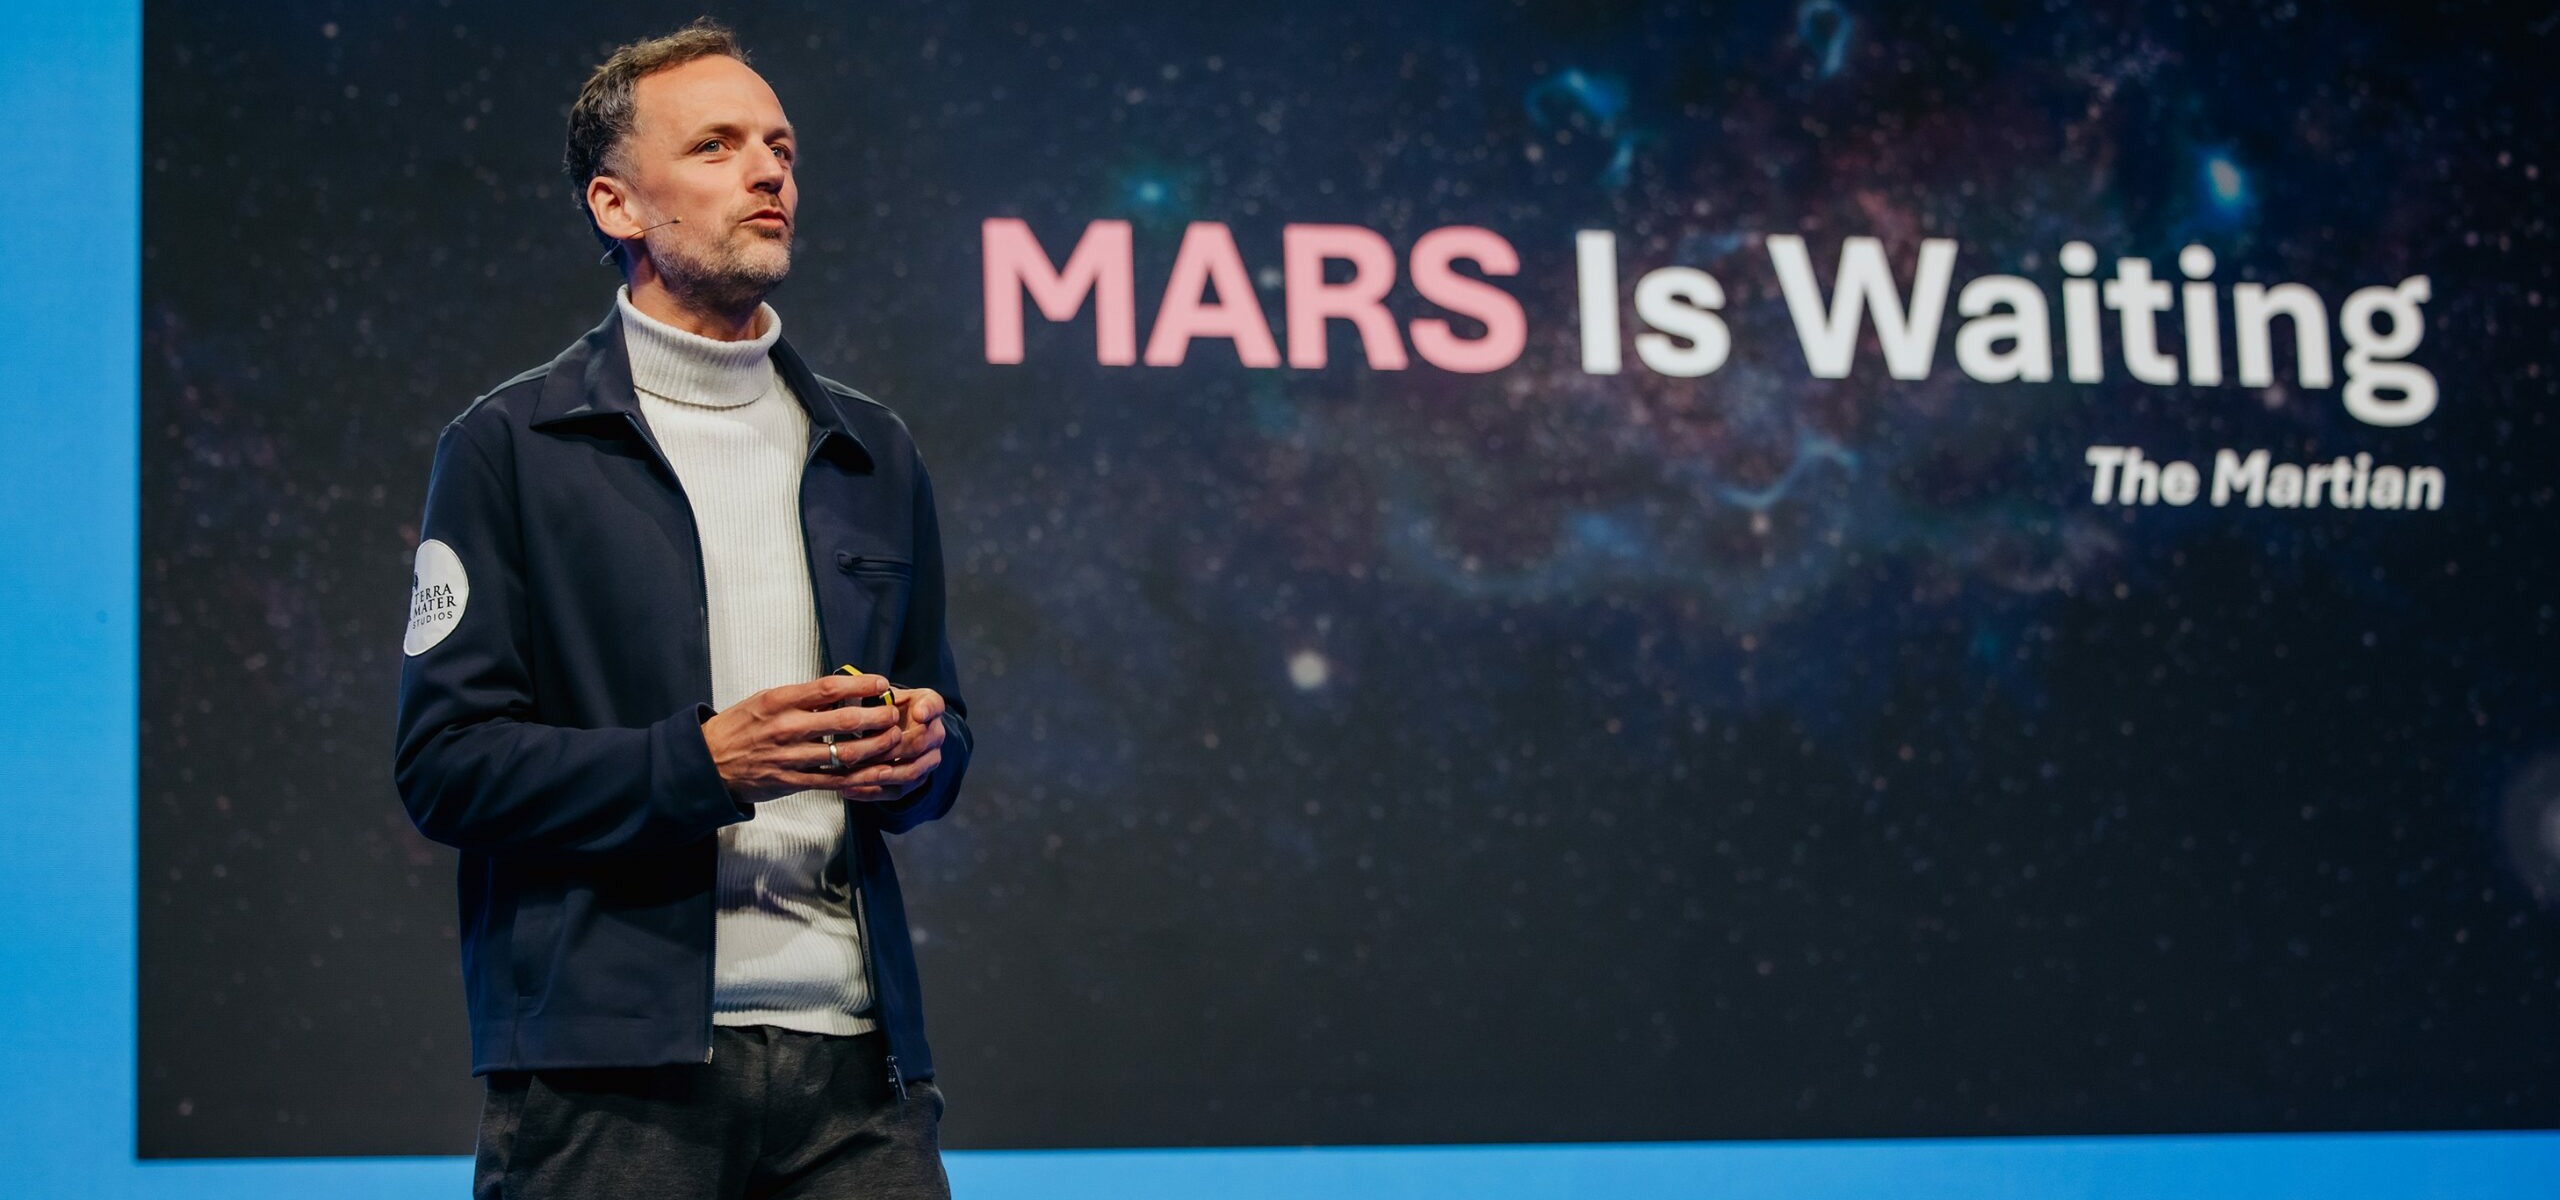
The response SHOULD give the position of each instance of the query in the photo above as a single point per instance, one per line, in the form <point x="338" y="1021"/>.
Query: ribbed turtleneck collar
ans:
<point x="689" y="368"/>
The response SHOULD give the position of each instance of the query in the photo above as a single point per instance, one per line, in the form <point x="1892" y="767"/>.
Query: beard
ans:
<point x="733" y="275"/>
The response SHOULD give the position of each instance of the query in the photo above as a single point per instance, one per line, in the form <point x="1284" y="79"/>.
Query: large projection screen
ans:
<point x="1524" y="573"/>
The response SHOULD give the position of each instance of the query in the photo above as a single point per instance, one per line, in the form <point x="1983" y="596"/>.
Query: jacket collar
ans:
<point x="590" y="383"/>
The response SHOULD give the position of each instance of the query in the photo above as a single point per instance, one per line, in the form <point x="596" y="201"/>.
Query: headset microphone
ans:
<point x="608" y="255"/>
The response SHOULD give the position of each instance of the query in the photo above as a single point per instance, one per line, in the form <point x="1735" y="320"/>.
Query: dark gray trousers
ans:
<point x="775" y="1113"/>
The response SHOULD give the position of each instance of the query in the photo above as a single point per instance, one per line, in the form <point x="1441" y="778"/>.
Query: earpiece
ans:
<point x="608" y="255"/>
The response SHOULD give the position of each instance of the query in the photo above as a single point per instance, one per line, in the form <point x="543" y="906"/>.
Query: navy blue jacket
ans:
<point x="554" y="734"/>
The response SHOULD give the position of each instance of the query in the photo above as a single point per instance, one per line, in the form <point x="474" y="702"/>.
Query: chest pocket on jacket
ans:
<point x="872" y="590"/>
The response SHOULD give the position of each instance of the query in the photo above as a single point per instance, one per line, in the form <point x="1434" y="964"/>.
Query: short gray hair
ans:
<point x="601" y="120"/>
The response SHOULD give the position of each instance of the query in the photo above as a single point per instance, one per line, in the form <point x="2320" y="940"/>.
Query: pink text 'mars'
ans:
<point x="1209" y="294"/>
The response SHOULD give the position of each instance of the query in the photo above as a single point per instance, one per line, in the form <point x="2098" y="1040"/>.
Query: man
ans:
<point x="686" y="959"/>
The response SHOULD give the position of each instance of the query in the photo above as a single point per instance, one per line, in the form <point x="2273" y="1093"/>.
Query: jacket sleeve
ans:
<point x="924" y="660"/>
<point x="473" y="767"/>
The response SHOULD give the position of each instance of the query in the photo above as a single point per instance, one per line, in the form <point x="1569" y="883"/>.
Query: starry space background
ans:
<point x="1373" y="757"/>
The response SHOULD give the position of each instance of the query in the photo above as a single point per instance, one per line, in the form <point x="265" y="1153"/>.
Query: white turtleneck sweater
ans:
<point x="788" y="942"/>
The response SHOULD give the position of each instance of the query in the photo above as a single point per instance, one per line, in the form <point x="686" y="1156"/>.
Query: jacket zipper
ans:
<point x="826" y="652"/>
<point x="702" y="611"/>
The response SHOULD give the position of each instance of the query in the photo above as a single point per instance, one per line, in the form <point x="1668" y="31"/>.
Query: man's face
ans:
<point x="710" y="145"/>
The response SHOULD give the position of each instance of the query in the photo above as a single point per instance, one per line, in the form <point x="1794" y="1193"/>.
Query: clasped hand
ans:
<point x="776" y="742"/>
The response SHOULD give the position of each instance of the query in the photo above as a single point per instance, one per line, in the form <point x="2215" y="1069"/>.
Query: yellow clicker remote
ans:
<point x="887" y="697"/>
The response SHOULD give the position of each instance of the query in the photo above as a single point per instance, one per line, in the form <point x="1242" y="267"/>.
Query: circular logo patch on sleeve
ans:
<point x="437" y="591"/>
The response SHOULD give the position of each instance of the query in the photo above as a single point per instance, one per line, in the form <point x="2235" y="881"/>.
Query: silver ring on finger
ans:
<point x="834" y="761"/>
